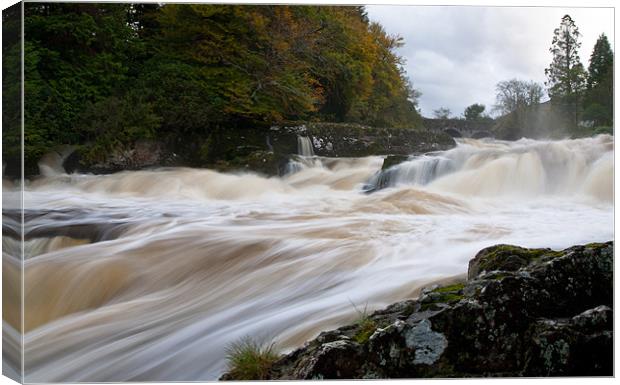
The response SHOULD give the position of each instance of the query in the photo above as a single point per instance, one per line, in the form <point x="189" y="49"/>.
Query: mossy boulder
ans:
<point x="506" y="258"/>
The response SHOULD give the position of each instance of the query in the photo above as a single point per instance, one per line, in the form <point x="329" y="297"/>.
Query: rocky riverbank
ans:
<point x="266" y="150"/>
<point x="521" y="312"/>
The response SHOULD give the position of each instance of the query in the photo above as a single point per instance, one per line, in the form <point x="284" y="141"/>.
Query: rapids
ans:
<point x="150" y="275"/>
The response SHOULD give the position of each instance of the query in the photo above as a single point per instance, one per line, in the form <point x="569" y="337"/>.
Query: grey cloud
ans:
<point x="456" y="55"/>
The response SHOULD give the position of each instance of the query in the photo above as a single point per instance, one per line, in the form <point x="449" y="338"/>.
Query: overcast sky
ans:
<point x="455" y="55"/>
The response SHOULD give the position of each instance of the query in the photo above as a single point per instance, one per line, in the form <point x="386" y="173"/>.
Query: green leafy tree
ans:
<point x="474" y="112"/>
<point x="75" y="54"/>
<point x="115" y="123"/>
<point x="599" y="95"/>
<point x="11" y="88"/>
<point x="250" y="62"/>
<point x="601" y="62"/>
<point x="514" y="95"/>
<point x="103" y="76"/>
<point x="597" y="114"/>
<point x="566" y="76"/>
<point x="342" y="62"/>
<point x="514" y="99"/>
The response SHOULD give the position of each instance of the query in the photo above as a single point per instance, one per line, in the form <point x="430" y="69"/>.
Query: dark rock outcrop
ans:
<point x="143" y="154"/>
<point x="522" y="312"/>
<point x="385" y="176"/>
<point x="393" y="160"/>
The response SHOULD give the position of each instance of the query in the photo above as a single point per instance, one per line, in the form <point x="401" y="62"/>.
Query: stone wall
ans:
<point x="267" y="150"/>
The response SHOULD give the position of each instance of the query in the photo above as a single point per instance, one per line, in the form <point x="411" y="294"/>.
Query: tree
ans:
<point x="513" y="95"/>
<point x="74" y="55"/>
<point x="192" y="69"/>
<point x="11" y="88"/>
<point x="596" y="114"/>
<point x="601" y="62"/>
<point x="474" y="112"/>
<point x="566" y="75"/>
<point x="393" y="100"/>
<point x="442" y="113"/>
<point x="598" y="101"/>
<point x="516" y="99"/>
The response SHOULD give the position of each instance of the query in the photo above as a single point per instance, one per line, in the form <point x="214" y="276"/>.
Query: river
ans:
<point x="150" y="275"/>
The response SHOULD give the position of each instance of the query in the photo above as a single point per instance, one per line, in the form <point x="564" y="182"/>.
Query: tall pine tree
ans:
<point x="601" y="62"/>
<point x="599" y="96"/>
<point x="566" y="76"/>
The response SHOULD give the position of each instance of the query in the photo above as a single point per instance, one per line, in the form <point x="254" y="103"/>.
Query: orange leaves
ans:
<point x="288" y="61"/>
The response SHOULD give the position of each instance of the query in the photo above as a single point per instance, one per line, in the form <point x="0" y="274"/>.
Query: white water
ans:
<point x="149" y="275"/>
<point x="304" y="146"/>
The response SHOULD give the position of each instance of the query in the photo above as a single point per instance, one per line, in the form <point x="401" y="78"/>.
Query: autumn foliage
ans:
<point x="104" y="75"/>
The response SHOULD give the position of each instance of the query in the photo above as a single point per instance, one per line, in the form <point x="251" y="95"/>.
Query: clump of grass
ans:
<point x="366" y="328"/>
<point x="365" y="325"/>
<point x="250" y="360"/>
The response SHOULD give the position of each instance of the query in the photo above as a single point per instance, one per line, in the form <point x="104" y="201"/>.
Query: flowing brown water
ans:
<point x="150" y="275"/>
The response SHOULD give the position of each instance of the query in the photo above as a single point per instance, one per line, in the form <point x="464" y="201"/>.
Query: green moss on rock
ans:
<point x="506" y="258"/>
<point x="442" y="295"/>
<point x="449" y="288"/>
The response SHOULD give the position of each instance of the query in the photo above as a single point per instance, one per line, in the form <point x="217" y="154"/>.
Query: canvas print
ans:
<point x="210" y="192"/>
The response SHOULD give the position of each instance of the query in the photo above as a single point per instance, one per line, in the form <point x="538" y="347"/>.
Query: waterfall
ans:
<point x="51" y="163"/>
<point x="478" y="167"/>
<point x="304" y="146"/>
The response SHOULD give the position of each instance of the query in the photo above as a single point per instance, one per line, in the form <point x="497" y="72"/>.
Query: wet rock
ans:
<point x="384" y="177"/>
<point x="328" y="360"/>
<point x="582" y="345"/>
<point x="142" y="154"/>
<point x="522" y="312"/>
<point x="504" y="257"/>
<point x="482" y="134"/>
<point x="427" y="344"/>
<point x="393" y="160"/>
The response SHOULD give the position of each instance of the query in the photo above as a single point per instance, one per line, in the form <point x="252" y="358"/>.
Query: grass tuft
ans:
<point x="366" y="328"/>
<point x="365" y="325"/>
<point x="249" y="360"/>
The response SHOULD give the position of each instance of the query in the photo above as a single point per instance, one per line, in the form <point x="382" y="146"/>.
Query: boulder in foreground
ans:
<point x="522" y="312"/>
